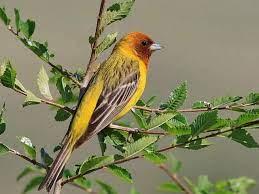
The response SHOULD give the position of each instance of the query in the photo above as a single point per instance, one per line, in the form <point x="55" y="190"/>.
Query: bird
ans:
<point x="113" y="90"/>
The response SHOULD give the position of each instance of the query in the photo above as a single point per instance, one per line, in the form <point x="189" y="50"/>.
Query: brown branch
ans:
<point x="34" y="162"/>
<point x="90" y="70"/>
<point x="175" y="179"/>
<point x="49" y="102"/>
<point x="136" y="130"/>
<point x="213" y="134"/>
<point x="230" y="107"/>
<point x="63" y="72"/>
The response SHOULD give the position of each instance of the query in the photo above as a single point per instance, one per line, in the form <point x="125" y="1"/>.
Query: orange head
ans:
<point x="138" y="44"/>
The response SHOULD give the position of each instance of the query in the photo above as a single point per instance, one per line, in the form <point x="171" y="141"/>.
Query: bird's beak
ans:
<point x="155" y="47"/>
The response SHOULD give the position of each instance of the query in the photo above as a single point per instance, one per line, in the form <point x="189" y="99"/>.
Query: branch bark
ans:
<point x="175" y="179"/>
<point x="213" y="134"/>
<point x="90" y="70"/>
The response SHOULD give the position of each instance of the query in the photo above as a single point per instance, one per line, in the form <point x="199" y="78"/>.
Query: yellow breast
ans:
<point x="140" y="89"/>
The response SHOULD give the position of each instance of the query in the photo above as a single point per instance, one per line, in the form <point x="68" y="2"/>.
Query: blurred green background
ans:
<point x="214" y="45"/>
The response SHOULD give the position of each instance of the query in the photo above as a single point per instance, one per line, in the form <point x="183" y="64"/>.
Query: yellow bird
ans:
<point x="112" y="92"/>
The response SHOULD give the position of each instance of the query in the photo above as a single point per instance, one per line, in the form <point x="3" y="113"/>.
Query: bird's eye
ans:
<point x="144" y="43"/>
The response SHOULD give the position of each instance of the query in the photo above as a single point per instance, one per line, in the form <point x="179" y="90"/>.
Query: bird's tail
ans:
<point x="57" y="167"/>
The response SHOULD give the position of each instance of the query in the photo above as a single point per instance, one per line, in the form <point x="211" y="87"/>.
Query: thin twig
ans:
<point x="230" y="107"/>
<point x="136" y="130"/>
<point x="34" y="162"/>
<point x="63" y="72"/>
<point x="49" y="102"/>
<point x="214" y="134"/>
<point x="90" y="69"/>
<point x="175" y="179"/>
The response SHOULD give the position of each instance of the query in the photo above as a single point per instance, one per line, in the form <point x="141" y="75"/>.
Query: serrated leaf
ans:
<point x="96" y="162"/>
<point x="176" y="98"/>
<point x="31" y="99"/>
<point x="106" y="43"/>
<point x="174" y="127"/>
<point x="169" y="187"/>
<point x="120" y="172"/>
<point x="155" y="157"/>
<point x="108" y="189"/>
<point x="139" y="145"/>
<point x="2" y="122"/>
<point x="33" y="183"/>
<point x="4" y="17"/>
<point x="45" y="157"/>
<point x="247" y="117"/>
<point x="204" y="185"/>
<point x="252" y="98"/>
<point x="160" y="120"/>
<point x="243" y="137"/>
<point x="43" y="84"/>
<point x="27" y="28"/>
<point x="62" y="115"/>
<point x="8" y="74"/>
<point x="224" y="100"/>
<point x="3" y="149"/>
<point x="17" y="19"/>
<point x="203" y="122"/>
<point x="116" y="12"/>
<point x="29" y="148"/>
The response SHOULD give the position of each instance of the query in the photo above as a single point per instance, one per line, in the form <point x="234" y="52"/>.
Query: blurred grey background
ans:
<point x="214" y="45"/>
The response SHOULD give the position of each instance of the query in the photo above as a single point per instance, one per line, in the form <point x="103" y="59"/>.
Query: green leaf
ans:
<point x="224" y="100"/>
<point x="203" y="122"/>
<point x="62" y="115"/>
<point x="27" y="170"/>
<point x="198" y="144"/>
<point x="204" y="185"/>
<point x="45" y="157"/>
<point x="31" y="99"/>
<point x="140" y="119"/>
<point x="247" y="117"/>
<point x="106" y="43"/>
<point x="43" y="84"/>
<point x="17" y="19"/>
<point x="96" y="162"/>
<point x="169" y="187"/>
<point x="120" y="172"/>
<point x="27" y="28"/>
<point x="176" y="98"/>
<point x="8" y="74"/>
<point x="33" y="183"/>
<point x="106" y="188"/>
<point x="151" y="101"/>
<point x="29" y="149"/>
<point x="83" y="182"/>
<point x="19" y="85"/>
<point x="64" y="89"/>
<point x="134" y="191"/>
<point x="116" y="12"/>
<point x="101" y="139"/>
<point x="4" y="17"/>
<point x="175" y="128"/>
<point x="176" y="164"/>
<point x="155" y="157"/>
<point x="243" y="137"/>
<point x="3" y="149"/>
<point x="252" y="98"/>
<point x="160" y="120"/>
<point x="200" y="104"/>
<point x="139" y="145"/>
<point x="2" y="122"/>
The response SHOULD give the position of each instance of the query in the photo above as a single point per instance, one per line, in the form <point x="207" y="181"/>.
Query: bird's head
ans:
<point x="138" y="44"/>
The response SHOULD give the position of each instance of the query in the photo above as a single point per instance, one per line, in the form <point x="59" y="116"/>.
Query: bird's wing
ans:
<point x="111" y="102"/>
